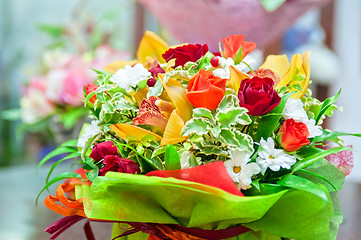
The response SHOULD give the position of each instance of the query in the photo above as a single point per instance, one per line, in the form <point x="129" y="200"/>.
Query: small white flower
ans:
<point x="313" y="129"/>
<point x="223" y="71"/>
<point x="294" y="109"/>
<point x="274" y="159"/>
<point x="89" y="132"/>
<point x="129" y="76"/>
<point x="239" y="168"/>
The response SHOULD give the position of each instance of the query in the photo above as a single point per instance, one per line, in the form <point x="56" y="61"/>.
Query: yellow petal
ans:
<point x="151" y="45"/>
<point x="277" y="63"/>
<point x="235" y="78"/>
<point x="130" y="132"/>
<point x="292" y="72"/>
<point x="306" y="70"/>
<point x="113" y="67"/>
<point x="177" y="95"/>
<point x="172" y="132"/>
<point x="140" y="95"/>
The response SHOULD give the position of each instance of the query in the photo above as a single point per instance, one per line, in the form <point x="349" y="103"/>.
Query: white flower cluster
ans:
<point x="89" y="132"/>
<point x="294" y="109"/>
<point x="129" y="76"/>
<point x="223" y="71"/>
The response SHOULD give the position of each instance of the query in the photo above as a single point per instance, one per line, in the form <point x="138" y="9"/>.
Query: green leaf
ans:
<point x="92" y="174"/>
<point x="52" y="30"/>
<point x="192" y="161"/>
<point x="303" y="184"/>
<point x="326" y="104"/>
<point x="198" y="126"/>
<point x="230" y="116"/>
<point x="272" y="5"/>
<point x="315" y="157"/>
<point x="238" y="56"/>
<point x="157" y="151"/>
<point x="318" y="176"/>
<point x="70" y="143"/>
<point x="268" y="124"/>
<point x="171" y="158"/>
<point x="88" y="144"/>
<point x="228" y="101"/>
<point x="70" y="156"/>
<point x="156" y="90"/>
<point x="245" y="141"/>
<point x="328" y="135"/>
<point x="56" y="152"/>
<point x="325" y="173"/>
<point x="202" y="112"/>
<point x="71" y="117"/>
<point x="58" y="178"/>
<point x="10" y="114"/>
<point x="88" y="97"/>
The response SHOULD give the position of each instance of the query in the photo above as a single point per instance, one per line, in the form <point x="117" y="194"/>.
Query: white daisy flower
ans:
<point x="239" y="168"/>
<point x="294" y="109"/>
<point x="274" y="159"/>
<point x="89" y="132"/>
<point x="129" y="76"/>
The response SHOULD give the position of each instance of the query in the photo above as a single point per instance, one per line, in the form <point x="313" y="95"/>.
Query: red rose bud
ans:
<point x="114" y="163"/>
<point x="185" y="53"/>
<point x="156" y="70"/>
<point x="206" y="90"/>
<point x="90" y="87"/>
<point x="258" y="96"/>
<point x="151" y="82"/>
<point x="294" y="135"/>
<point x="214" y="62"/>
<point x="103" y="149"/>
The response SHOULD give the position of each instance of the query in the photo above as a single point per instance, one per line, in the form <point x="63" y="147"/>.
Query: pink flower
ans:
<point x="66" y="84"/>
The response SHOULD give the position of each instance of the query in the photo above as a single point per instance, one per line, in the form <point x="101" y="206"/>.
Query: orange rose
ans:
<point x="232" y="45"/>
<point x="206" y="90"/>
<point x="294" y="135"/>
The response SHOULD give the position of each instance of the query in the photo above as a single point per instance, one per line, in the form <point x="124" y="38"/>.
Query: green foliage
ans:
<point x="326" y="105"/>
<point x="270" y="122"/>
<point x="52" y="30"/>
<point x="58" y="178"/>
<point x="303" y="184"/>
<point x="171" y="158"/>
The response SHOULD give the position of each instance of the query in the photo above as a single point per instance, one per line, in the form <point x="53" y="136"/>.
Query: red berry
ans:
<point x="215" y="61"/>
<point x="151" y="82"/>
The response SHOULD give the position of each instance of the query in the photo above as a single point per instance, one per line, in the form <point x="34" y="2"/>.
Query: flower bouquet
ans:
<point x="189" y="144"/>
<point x="185" y="20"/>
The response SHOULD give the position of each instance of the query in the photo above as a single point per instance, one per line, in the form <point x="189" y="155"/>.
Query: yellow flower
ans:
<point x="295" y="72"/>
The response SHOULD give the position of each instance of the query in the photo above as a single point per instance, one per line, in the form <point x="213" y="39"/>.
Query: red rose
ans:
<point x="232" y="44"/>
<point x="294" y="135"/>
<point x="185" y="53"/>
<point x="114" y="163"/>
<point x="258" y="96"/>
<point x="206" y="90"/>
<point x="103" y="149"/>
<point x="91" y="88"/>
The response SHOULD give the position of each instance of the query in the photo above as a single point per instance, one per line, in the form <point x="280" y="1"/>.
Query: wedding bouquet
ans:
<point x="189" y="144"/>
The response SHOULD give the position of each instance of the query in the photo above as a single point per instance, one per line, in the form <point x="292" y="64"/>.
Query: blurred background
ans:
<point x="44" y="44"/>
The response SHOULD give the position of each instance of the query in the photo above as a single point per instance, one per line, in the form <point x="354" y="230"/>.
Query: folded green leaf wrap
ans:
<point x="137" y="198"/>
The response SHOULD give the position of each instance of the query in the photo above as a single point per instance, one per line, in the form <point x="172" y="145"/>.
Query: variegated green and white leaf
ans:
<point x="228" y="101"/>
<point x="198" y="126"/>
<point x="202" y="112"/>
<point x="230" y="116"/>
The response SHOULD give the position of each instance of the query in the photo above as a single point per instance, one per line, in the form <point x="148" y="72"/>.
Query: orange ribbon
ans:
<point x="69" y="207"/>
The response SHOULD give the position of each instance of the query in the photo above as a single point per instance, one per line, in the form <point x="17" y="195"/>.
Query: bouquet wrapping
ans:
<point x="189" y="144"/>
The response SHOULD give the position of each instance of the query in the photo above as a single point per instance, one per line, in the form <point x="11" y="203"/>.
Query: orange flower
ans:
<point x="294" y="135"/>
<point x="154" y="111"/>
<point x="236" y="48"/>
<point x="206" y="90"/>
